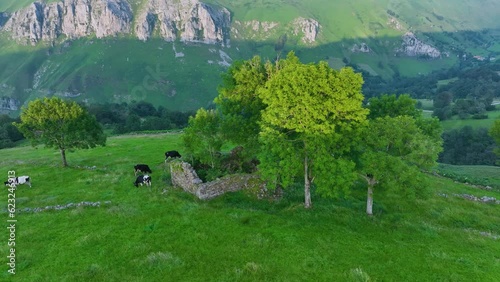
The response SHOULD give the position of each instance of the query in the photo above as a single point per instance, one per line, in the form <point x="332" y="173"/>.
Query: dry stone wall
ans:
<point x="184" y="176"/>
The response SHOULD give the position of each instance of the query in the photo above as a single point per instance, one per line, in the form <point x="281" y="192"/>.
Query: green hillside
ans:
<point x="185" y="76"/>
<point x="168" y="235"/>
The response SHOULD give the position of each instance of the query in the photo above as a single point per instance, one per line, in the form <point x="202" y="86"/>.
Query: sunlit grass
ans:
<point x="168" y="235"/>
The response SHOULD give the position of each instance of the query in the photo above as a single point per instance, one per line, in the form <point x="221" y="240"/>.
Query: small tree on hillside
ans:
<point x="60" y="124"/>
<point x="202" y="138"/>
<point x="393" y="150"/>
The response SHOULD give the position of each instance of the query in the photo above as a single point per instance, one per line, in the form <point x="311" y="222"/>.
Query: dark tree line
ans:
<point x="137" y="116"/>
<point x="8" y="132"/>
<point x="470" y="96"/>
<point x="468" y="146"/>
<point x="118" y="117"/>
<point x="472" y="78"/>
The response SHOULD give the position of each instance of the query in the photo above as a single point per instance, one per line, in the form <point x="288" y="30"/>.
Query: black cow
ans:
<point x="171" y="154"/>
<point x="143" y="179"/>
<point x="142" y="168"/>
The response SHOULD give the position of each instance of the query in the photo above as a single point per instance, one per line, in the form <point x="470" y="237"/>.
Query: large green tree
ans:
<point x="308" y="125"/>
<point x="393" y="151"/>
<point x="60" y="124"/>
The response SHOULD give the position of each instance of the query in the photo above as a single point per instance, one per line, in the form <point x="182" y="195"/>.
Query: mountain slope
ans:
<point x="119" y="50"/>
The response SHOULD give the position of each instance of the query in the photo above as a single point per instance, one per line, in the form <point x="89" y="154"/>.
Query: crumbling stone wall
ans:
<point x="184" y="176"/>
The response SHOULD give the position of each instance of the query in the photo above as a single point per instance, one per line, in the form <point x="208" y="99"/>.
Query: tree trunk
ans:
<point x="369" y="200"/>
<point x="307" y="185"/>
<point x="63" y="156"/>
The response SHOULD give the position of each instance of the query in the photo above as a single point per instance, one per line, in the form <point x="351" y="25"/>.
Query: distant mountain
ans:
<point x="172" y="52"/>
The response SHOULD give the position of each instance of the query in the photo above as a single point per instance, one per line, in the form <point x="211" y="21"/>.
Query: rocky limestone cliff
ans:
<point x="72" y="18"/>
<point x="187" y="20"/>
<point x="308" y="27"/>
<point x="184" y="20"/>
<point x="413" y="47"/>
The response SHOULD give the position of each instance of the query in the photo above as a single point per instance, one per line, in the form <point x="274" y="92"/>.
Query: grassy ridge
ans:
<point x="168" y="235"/>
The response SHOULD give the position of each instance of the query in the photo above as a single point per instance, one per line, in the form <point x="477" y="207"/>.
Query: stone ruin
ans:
<point x="184" y="176"/>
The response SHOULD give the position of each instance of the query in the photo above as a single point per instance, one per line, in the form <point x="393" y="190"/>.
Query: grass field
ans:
<point x="475" y="174"/>
<point x="427" y="104"/>
<point x="455" y="122"/>
<point x="169" y="235"/>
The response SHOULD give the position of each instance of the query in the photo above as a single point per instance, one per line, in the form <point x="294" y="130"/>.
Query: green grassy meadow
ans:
<point x="168" y="235"/>
<point x="474" y="174"/>
<point x="455" y="122"/>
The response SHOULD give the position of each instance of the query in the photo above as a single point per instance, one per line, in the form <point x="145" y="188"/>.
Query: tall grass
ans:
<point x="165" y="234"/>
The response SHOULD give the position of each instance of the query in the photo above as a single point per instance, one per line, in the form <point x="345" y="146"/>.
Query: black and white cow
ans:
<point x="143" y="179"/>
<point x="142" y="168"/>
<point x="19" y="180"/>
<point x="172" y="154"/>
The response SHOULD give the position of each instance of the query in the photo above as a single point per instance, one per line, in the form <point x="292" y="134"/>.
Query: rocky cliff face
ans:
<point x="187" y="20"/>
<point x="184" y="20"/>
<point x="413" y="47"/>
<point x="72" y="18"/>
<point x="308" y="27"/>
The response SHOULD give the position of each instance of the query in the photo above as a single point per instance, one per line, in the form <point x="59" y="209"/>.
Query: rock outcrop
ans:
<point x="413" y="47"/>
<point x="361" y="48"/>
<point x="72" y="18"/>
<point x="188" y="20"/>
<point x="9" y="104"/>
<point x="308" y="27"/>
<point x="183" y="20"/>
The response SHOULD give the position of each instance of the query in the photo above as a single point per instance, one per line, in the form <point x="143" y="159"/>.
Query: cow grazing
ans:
<point x="19" y="180"/>
<point x="143" y="179"/>
<point x="171" y="154"/>
<point x="142" y="168"/>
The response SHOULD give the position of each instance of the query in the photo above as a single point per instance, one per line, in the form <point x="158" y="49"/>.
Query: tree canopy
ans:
<point x="60" y="124"/>
<point x="311" y="114"/>
<point x="393" y="106"/>
<point x="239" y="104"/>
